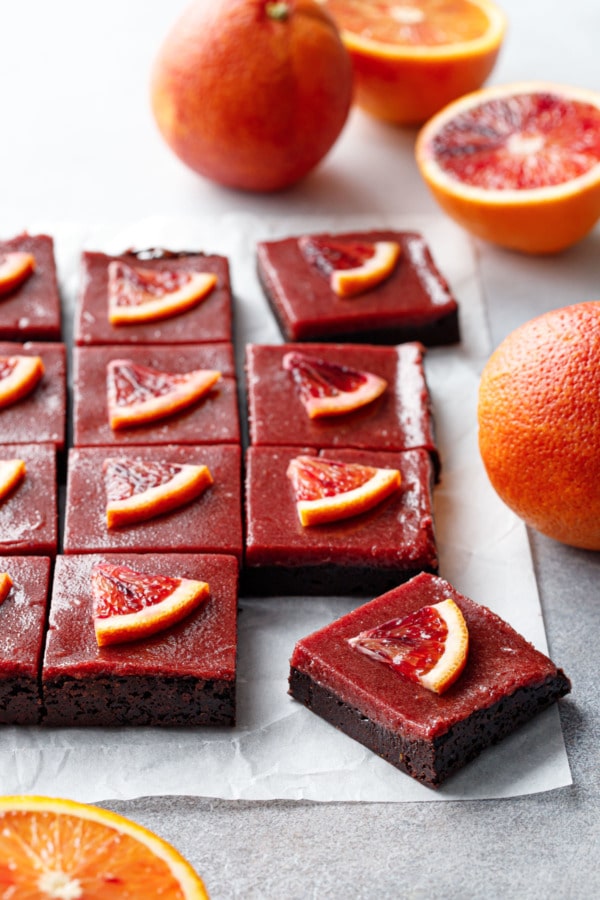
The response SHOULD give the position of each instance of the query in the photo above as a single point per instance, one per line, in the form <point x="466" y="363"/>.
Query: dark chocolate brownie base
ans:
<point x="317" y="580"/>
<point x="431" y="762"/>
<point x="20" y="702"/>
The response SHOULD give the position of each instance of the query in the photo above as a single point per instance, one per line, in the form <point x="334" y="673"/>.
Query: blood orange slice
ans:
<point x="53" y="849"/>
<point x="429" y="646"/>
<point x="518" y="165"/>
<point x="130" y="605"/>
<point x="18" y="377"/>
<point x="12" y="472"/>
<point x="352" y="267"/>
<point x="5" y="585"/>
<point x="140" y="394"/>
<point x="137" y="489"/>
<point x="15" y="267"/>
<point x="328" y="389"/>
<point x="327" y="490"/>
<point x="145" y="295"/>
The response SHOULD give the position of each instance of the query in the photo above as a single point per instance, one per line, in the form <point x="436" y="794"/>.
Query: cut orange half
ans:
<point x="352" y="267"/>
<point x="328" y="491"/>
<point x="137" y="489"/>
<point x="411" y="58"/>
<point x="130" y="605"/>
<point x="54" y="849"/>
<point x="146" y="295"/>
<point x="328" y="389"/>
<point x="12" y="472"/>
<point x="429" y="646"/>
<point x="18" y="377"/>
<point x="5" y="585"/>
<point x="15" y="268"/>
<point x="518" y="165"/>
<point x="139" y="394"/>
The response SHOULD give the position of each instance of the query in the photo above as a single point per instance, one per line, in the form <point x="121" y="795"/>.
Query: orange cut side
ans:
<point x="54" y="849"/>
<point x="130" y="605"/>
<point x="146" y="295"/>
<point x="137" y="394"/>
<point x="12" y="473"/>
<point x="353" y="267"/>
<point x="327" y="490"/>
<point x="328" y="389"/>
<point x="429" y="646"/>
<point x="15" y="268"/>
<point x="137" y="490"/>
<point x="19" y="375"/>
<point x="5" y="585"/>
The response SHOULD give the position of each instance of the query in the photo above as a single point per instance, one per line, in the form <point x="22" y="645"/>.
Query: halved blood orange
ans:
<point x="139" y="394"/>
<point x="5" y="585"/>
<point x="411" y="58"/>
<point x="130" y="605"/>
<point x="352" y="267"/>
<point x="138" y="489"/>
<point x="54" y="849"/>
<point x="15" y="267"/>
<point x="518" y="165"/>
<point x="328" y="490"/>
<point x="329" y="389"/>
<point x="12" y="472"/>
<point x="429" y="646"/>
<point x="18" y="377"/>
<point x="146" y="295"/>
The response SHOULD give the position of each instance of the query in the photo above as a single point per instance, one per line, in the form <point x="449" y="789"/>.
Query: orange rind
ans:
<point x="5" y="585"/>
<point x="146" y="295"/>
<point x="19" y="375"/>
<point x="12" y="473"/>
<point x="15" y="268"/>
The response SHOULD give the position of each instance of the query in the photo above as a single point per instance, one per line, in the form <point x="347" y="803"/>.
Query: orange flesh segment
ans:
<point x="15" y="268"/>
<point x="12" y="472"/>
<point x="18" y="377"/>
<point x="147" y="295"/>
<point x="5" y="585"/>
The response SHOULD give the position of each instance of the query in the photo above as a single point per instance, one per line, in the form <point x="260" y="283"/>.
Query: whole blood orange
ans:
<point x="251" y="93"/>
<point x="539" y="423"/>
<point x="518" y="165"/>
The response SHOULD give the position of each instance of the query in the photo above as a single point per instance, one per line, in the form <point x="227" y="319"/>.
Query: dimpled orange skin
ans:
<point x="252" y="94"/>
<point x="539" y="423"/>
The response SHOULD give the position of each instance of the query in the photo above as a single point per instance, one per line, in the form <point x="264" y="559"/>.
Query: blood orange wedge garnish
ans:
<point x="138" y="489"/>
<point x="54" y="849"/>
<point x="139" y="394"/>
<point x="429" y="646"/>
<point x="145" y="295"/>
<point x="352" y="267"/>
<point x="327" y="490"/>
<point x="5" y="585"/>
<point x="15" y="267"/>
<point x="130" y="605"/>
<point x="329" y="389"/>
<point x="18" y="377"/>
<point x="12" y="472"/>
<point x="518" y="165"/>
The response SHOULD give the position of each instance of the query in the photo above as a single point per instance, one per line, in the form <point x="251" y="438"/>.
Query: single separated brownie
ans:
<point x="505" y="682"/>
<point x="40" y="416"/>
<point x="184" y="675"/>
<point x="413" y="304"/>
<point x="32" y="310"/>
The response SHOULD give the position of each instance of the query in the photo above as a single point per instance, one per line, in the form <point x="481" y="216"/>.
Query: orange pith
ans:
<point x="327" y="389"/>
<point x="5" y="585"/>
<point x="18" y="377"/>
<point x="15" y="267"/>
<point x="55" y="848"/>
<point x="146" y="295"/>
<point x="327" y="490"/>
<point x="12" y="472"/>
<point x="539" y="423"/>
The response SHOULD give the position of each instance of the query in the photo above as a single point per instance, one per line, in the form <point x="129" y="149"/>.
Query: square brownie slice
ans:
<point x="413" y="304"/>
<point x="212" y="523"/>
<point x="39" y="417"/>
<point x="182" y="676"/>
<point x="505" y="682"/>
<point x="32" y="311"/>
<point x="29" y="514"/>
<point x="213" y="419"/>
<point x="210" y="320"/>
<point x="22" y="629"/>
<point x="368" y="552"/>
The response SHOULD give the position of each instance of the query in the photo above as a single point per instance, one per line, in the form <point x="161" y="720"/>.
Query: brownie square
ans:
<point x="212" y="523"/>
<point x="506" y="681"/>
<point x="29" y="514"/>
<point x="400" y="419"/>
<point x="413" y="304"/>
<point x="182" y="676"/>
<point x="213" y="419"/>
<point x="210" y="320"/>
<point x="40" y="417"/>
<point x="22" y="627"/>
<point x="359" y="555"/>
<point x="32" y="311"/>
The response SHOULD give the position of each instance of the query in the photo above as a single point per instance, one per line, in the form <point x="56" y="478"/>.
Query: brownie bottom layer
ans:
<point x="20" y="701"/>
<point x="431" y="762"/>
<point x="323" y="580"/>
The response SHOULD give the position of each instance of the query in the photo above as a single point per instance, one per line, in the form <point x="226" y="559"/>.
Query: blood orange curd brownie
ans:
<point x="33" y="393"/>
<point x="23" y="609"/>
<point x="424" y="677"/>
<point x="30" y="307"/>
<point x="153" y="297"/>
<point x="381" y="287"/>
<point x="28" y="500"/>
<point x="182" y="675"/>
<point x="336" y="521"/>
